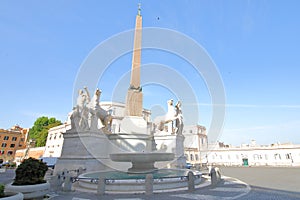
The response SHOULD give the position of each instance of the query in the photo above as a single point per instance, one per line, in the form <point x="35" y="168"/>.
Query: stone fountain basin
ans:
<point x="142" y="161"/>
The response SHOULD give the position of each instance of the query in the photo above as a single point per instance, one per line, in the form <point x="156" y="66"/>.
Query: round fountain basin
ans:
<point x="142" y="162"/>
<point x="164" y="180"/>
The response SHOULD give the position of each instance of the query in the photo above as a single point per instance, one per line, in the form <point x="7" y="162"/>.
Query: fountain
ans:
<point x="142" y="162"/>
<point x="124" y="159"/>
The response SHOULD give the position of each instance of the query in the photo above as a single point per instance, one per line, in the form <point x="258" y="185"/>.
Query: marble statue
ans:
<point x="173" y="117"/>
<point x="79" y="115"/>
<point x="98" y="116"/>
<point x="87" y="114"/>
<point x="179" y="118"/>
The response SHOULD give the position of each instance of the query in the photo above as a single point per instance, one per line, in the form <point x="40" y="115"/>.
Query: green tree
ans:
<point x="39" y="130"/>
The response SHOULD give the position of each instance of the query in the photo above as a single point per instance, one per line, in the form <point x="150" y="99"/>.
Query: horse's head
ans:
<point x="170" y="102"/>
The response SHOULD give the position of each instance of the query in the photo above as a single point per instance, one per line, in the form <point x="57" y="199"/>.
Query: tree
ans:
<point x="39" y="130"/>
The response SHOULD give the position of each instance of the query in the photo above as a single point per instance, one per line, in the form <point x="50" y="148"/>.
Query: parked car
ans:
<point x="188" y="165"/>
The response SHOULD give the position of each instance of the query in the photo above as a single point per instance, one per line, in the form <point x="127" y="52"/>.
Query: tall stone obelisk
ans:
<point x="134" y="98"/>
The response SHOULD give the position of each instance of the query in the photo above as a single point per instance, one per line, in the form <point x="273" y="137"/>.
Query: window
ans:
<point x="237" y="156"/>
<point x="22" y="139"/>
<point x="228" y="157"/>
<point x="14" y="139"/>
<point x="3" y="145"/>
<point x="12" y="145"/>
<point x="288" y="156"/>
<point x="221" y="157"/>
<point x="2" y="152"/>
<point x="192" y="157"/>
<point x="196" y="157"/>
<point x="6" y="138"/>
<point x="9" y="153"/>
<point x="277" y="156"/>
<point x="266" y="156"/>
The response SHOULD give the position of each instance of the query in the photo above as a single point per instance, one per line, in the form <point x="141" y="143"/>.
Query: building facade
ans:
<point x="35" y="152"/>
<point x="11" y="140"/>
<point x="256" y="155"/>
<point x="117" y="111"/>
<point x="246" y="155"/>
<point x="55" y="140"/>
<point x="195" y="143"/>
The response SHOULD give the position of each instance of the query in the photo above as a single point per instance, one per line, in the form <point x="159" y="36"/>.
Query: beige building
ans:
<point x="36" y="152"/>
<point x="11" y="140"/>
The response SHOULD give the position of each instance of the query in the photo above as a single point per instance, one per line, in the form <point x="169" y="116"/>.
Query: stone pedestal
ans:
<point x="171" y="144"/>
<point x="179" y="152"/>
<point x="85" y="149"/>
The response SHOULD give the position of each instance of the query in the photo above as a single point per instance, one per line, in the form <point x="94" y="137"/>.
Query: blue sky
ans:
<point x="255" y="45"/>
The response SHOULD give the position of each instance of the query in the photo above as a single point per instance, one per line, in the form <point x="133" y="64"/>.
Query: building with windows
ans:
<point x="256" y="155"/>
<point x="55" y="140"/>
<point x="287" y="154"/>
<point x="117" y="111"/>
<point x="35" y="152"/>
<point x="11" y="140"/>
<point x="195" y="144"/>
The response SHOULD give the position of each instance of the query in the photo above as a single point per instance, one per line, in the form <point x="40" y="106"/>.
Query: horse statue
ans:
<point x="171" y="116"/>
<point x="98" y="114"/>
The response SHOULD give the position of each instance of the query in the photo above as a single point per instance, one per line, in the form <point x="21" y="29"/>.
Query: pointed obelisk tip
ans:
<point x="139" y="9"/>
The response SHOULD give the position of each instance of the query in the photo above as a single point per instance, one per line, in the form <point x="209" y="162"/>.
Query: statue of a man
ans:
<point x="83" y="98"/>
<point x="94" y="107"/>
<point x="82" y="110"/>
<point x="179" y="118"/>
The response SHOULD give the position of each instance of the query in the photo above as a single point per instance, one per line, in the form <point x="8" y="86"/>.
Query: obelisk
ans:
<point x="134" y="98"/>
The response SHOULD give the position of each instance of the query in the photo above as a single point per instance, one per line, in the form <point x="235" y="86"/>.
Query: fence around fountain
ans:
<point x="137" y="185"/>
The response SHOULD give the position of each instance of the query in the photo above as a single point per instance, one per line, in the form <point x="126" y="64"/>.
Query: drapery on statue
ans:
<point x="87" y="112"/>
